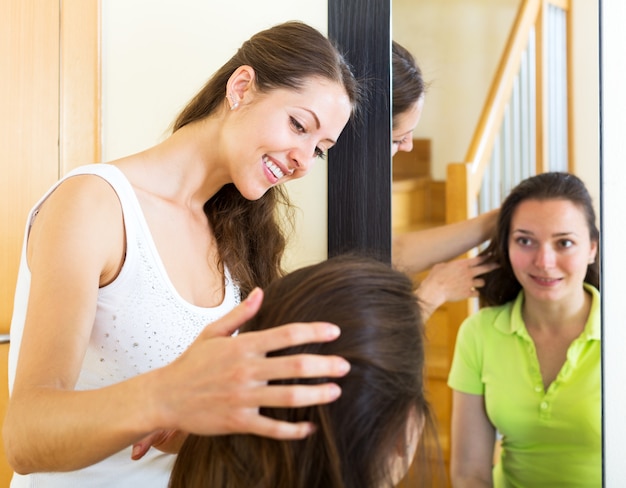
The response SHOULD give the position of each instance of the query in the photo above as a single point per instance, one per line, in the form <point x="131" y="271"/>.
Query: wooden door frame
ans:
<point x="54" y="122"/>
<point x="80" y="84"/>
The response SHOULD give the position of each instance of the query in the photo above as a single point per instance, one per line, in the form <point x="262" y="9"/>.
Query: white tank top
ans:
<point x="141" y="323"/>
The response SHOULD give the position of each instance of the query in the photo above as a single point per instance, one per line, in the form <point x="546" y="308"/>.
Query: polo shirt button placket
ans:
<point x="544" y="408"/>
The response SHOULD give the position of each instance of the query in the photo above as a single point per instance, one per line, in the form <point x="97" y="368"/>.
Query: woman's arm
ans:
<point x="215" y="387"/>
<point x="418" y="251"/>
<point x="473" y="440"/>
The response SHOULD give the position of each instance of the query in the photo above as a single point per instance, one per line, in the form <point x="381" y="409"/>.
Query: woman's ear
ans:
<point x="239" y="85"/>
<point x="594" y="251"/>
<point x="406" y="446"/>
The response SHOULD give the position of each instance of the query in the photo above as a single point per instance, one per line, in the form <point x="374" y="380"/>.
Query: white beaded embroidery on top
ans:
<point x="141" y="322"/>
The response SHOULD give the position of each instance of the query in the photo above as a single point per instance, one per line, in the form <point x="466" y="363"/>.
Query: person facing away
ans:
<point x="369" y="436"/>
<point x="120" y="338"/>
<point x="528" y="366"/>
<point x="432" y="248"/>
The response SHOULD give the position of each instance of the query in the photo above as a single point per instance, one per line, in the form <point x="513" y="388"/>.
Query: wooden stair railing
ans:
<point x="464" y="180"/>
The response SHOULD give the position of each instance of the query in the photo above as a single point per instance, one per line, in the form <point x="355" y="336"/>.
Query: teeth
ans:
<point x="276" y="171"/>
<point x="546" y="280"/>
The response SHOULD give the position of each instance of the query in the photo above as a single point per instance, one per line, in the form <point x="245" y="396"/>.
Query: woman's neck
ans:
<point x="185" y="167"/>
<point x="557" y="316"/>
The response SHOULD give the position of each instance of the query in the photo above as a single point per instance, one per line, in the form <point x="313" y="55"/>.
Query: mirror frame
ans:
<point x="359" y="174"/>
<point x="613" y="237"/>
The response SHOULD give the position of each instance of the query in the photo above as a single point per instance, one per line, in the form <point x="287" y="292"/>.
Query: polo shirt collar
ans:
<point x="512" y="322"/>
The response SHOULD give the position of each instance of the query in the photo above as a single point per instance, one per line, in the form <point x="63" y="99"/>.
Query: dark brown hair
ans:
<point x="250" y="239"/>
<point x="408" y="83"/>
<point x="501" y="286"/>
<point x="382" y="337"/>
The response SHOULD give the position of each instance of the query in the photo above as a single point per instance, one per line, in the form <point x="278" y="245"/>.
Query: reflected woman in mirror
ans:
<point x="528" y="365"/>
<point x="369" y="436"/>
<point x="418" y="251"/>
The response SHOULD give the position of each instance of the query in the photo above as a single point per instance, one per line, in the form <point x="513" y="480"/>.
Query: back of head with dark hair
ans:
<point x="501" y="286"/>
<point x="382" y="338"/>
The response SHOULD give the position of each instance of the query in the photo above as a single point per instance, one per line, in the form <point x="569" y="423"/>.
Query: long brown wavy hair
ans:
<point x="382" y="336"/>
<point x="501" y="285"/>
<point x="250" y="238"/>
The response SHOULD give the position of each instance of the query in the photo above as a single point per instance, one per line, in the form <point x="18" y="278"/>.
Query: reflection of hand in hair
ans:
<point x="451" y="282"/>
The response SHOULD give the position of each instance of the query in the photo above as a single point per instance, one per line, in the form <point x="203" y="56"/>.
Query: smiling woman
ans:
<point x="125" y="264"/>
<point x="285" y="142"/>
<point x="528" y="366"/>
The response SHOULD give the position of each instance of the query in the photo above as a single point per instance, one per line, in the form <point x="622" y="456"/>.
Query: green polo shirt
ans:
<point x="549" y="438"/>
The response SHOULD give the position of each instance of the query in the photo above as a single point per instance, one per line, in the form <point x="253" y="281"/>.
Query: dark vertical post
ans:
<point x="359" y="169"/>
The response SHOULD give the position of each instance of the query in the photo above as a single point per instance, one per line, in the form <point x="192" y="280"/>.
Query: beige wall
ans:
<point x="458" y="44"/>
<point x="586" y="91"/>
<point x="156" y="55"/>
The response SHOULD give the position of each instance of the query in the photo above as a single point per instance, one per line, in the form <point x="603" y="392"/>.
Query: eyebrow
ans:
<point x="404" y="134"/>
<point x="314" y="115"/>
<point x="556" y="234"/>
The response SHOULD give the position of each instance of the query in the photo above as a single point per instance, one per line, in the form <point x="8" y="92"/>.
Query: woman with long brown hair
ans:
<point x="120" y="334"/>
<point x="368" y="437"/>
<point x="527" y="367"/>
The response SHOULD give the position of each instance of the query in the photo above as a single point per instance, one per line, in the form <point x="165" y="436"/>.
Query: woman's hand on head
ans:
<point x="453" y="281"/>
<point x="219" y="383"/>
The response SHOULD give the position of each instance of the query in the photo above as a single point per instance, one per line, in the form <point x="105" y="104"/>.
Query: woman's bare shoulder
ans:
<point x="83" y="213"/>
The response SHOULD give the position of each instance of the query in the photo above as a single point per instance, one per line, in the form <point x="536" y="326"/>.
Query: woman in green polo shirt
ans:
<point x="528" y="366"/>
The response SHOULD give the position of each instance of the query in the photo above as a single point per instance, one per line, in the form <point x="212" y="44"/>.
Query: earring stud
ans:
<point x="234" y="102"/>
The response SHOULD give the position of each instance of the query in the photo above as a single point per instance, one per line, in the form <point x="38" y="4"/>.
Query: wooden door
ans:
<point x="49" y="118"/>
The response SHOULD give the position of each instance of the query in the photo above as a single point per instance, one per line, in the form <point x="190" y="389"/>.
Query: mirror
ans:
<point x="457" y="44"/>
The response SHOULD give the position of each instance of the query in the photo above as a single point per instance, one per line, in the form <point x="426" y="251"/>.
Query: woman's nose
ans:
<point x="302" y="160"/>
<point x="406" y="146"/>
<point x="545" y="257"/>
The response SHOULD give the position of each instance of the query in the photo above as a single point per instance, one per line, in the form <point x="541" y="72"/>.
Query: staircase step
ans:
<point x="416" y="201"/>
<point x="414" y="163"/>
<point x="420" y="225"/>
<point x="408" y="201"/>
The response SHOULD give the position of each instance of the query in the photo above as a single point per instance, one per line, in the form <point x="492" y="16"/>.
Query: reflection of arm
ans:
<point x="417" y="251"/>
<point x="473" y="440"/>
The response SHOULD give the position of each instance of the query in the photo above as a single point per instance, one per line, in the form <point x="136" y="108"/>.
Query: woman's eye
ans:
<point x="523" y="241"/>
<point x="319" y="153"/>
<point x="565" y="243"/>
<point x="297" y="125"/>
<point x="398" y="143"/>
